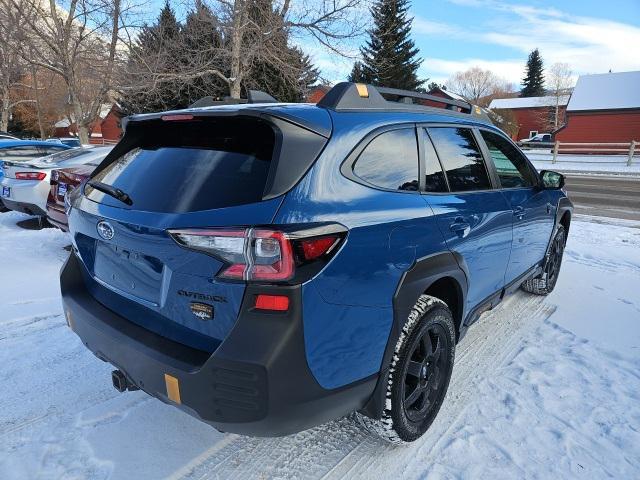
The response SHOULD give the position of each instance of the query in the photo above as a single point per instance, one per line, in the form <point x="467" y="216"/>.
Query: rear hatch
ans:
<point x="178" y="172"/>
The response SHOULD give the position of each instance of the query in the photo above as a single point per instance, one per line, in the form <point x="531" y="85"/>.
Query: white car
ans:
<point x="25" y="186"/>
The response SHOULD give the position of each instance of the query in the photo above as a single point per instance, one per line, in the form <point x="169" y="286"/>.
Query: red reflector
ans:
<point x="30" y="175"/>
<point x="279" y="303"/>
<point x="317" y="247"/>
<point x="181" y="117"/>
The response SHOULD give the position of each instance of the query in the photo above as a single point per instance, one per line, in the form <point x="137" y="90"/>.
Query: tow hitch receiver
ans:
<point x="121" y="383"/>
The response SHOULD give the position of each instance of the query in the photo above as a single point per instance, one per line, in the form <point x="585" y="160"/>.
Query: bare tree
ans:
<point x="78" y="41"/>
<point x="505" y="120"/>
<point x="477" y="84"/>
<point x="559" y="81"/>
<point x="48" y="97"/>
<point x="253" y="32"/>
<point x="12" y="70"/>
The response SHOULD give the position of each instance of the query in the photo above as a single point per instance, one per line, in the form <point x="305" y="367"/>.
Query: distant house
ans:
<point x="105" y="129"/>
<point x="604" y="108"/>
<point x="315" y="94"/>
<point x="533" y="115"/>
<point x="440" y="92"/>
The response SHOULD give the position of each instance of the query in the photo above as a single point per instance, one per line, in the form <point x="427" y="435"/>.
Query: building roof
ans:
<point x="448" y="93"/>
<point x="528" y="102"/>
<point x="606" y="91"/>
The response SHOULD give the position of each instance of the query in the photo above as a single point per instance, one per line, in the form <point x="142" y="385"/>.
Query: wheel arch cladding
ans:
<point x="438" y="275"/>
<point x="565" y="221"/>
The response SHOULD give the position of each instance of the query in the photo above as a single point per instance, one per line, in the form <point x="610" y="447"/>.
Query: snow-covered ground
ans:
<point x="601" y="164"/>
<point x="542" y="388"/>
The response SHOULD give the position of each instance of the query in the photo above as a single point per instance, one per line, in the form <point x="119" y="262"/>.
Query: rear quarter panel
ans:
<point x="348" y="307"/>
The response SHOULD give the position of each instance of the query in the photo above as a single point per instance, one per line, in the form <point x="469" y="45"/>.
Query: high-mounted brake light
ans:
<point x="30" y="175"/>
<point x="259" y="254"/>
<point x="178" y="117"/>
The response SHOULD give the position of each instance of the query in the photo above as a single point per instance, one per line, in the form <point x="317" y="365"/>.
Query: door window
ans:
<point x="512" y="168"/>
<point x="390" y="161"/>
<point x="461" y="158"/>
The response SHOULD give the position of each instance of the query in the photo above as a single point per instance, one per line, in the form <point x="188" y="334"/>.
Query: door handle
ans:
<point x="518" y="212"/>
<point x="549" y="208"/>
<point x="460" y="227"/>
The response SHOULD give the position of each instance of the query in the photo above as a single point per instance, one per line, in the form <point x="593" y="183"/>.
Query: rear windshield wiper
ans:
<point x="112" y="191"/>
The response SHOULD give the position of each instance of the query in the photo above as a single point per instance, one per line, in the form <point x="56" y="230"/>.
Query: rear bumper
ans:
<point x="256" y="383"/>
<point x="29" y="196"/>
<point x="57" y="217"/>
<point x="24" y="207"/>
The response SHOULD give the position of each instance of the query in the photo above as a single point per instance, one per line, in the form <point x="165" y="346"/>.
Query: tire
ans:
<point x="419" y="373"/>
<point x="544" y="283"/>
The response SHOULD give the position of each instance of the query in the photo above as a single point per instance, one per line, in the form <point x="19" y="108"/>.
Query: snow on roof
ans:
<point x="62" y="123"/>
<point x="528" y="102"/>
<point x="606" y="91"/>
<point x="448" y="93"/>
<point x="454" y="96"/>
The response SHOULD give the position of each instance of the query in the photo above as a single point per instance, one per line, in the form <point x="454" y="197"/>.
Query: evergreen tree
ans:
<point x="157" y="47"/>
<point x="390" y="56"/>
<point x="358" y="74"/>
<point x="202" y="40"/>
<point x="533" y="81"/>
<point x="288" y="76"/>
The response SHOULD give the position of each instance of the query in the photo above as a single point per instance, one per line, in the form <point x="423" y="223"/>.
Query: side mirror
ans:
<point x="552" y="180"/>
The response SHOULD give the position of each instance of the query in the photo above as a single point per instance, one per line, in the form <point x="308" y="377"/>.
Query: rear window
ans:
<point x="178" y="167"/>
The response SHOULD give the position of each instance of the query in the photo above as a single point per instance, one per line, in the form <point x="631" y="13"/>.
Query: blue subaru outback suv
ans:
<point x="270" y="267"/>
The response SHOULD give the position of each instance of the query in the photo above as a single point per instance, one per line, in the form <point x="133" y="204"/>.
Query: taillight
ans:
<point x="30" y="175"/>
<point x="260" y="254"/>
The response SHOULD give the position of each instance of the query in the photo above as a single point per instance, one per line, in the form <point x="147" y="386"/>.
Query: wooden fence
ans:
<point x="624" y="150"/>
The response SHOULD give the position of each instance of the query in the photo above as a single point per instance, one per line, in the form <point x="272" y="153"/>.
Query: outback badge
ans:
<point x="203" y="311"/>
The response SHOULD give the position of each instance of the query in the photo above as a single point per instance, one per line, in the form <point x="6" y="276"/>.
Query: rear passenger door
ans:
<point x="473" y="216"/>
<point x="533" y="214"/>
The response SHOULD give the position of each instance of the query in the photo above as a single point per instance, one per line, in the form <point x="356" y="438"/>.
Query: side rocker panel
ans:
<point x="414" y="282"/>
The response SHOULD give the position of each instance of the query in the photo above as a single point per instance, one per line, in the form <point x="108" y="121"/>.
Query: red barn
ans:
<point x="604" y="108"/>
<point x="533" y="114"/>
<point x="439" y="92"/>
<point x="106" y="128"/>
<point x="316" y="93"/>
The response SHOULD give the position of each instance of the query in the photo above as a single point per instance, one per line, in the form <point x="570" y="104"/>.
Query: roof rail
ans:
<point x="358" y="96"/>
<point x="253" y="96"/>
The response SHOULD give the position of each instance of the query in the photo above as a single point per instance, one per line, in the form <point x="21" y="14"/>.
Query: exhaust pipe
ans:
<point x="120" y="382"/>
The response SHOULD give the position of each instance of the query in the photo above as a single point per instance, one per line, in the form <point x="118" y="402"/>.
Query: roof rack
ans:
<point x="253" y="96"/>
<point x="358" y="96"/>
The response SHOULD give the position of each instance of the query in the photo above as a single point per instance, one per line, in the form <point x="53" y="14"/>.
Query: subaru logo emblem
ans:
<point x="105" y="230"/>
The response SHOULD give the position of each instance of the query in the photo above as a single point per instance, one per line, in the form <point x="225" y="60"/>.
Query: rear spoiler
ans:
<point x="253" y="96"/>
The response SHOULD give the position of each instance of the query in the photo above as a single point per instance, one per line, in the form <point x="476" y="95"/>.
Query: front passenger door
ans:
<point x="533" y="214"/>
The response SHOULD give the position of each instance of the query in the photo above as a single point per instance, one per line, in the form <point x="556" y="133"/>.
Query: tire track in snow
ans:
<point x="341" y="448"/>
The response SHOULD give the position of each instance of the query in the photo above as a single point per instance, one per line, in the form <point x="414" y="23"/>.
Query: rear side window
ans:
<point x="390" y="161"/>
<point x="513" y="170"/>
<point x="434" y="176"/>
<point x="178" y="167"/>
<point x="461" y="158"/>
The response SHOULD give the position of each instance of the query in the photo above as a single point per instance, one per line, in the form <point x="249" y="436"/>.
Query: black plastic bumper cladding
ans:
<point x="256" y="383"/>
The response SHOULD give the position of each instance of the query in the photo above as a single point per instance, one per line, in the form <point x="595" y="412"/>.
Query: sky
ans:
<point x="592" y="36"/>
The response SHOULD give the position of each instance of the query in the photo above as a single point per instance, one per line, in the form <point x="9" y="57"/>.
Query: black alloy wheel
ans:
<point x="424" y="375"/>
